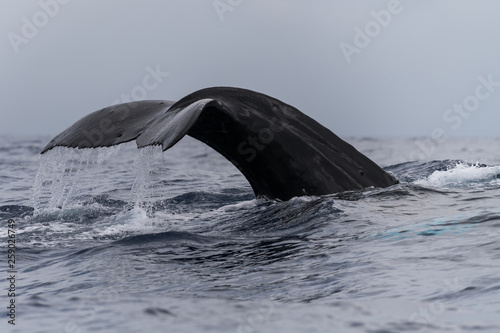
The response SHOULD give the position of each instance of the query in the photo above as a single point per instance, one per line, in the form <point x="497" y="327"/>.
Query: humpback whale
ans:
<point x="282" y="152"/>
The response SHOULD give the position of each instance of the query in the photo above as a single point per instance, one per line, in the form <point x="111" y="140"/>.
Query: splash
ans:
<point x="60" y="174"/>
<point x="66" y="176"/>
<point x="65" y="171"/>
<point x="462" y="175"/>
<point x="143" y="190"/>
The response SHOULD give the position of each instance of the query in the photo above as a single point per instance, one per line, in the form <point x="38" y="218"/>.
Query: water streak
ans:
<point x="143" y="190"/>
<point x="63" y="171"/>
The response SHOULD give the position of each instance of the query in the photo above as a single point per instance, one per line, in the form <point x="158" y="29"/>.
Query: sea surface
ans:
<point x="126" y="240"/>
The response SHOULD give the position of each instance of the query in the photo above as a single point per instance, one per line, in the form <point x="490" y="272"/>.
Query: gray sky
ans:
<point x="361" y="68"/>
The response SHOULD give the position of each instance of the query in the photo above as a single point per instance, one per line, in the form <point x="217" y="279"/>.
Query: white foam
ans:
<point x="460" y="175"/>
<point x="133" y="220"/>
<point x="139" y="220"/>
<point x="239" y="206"/>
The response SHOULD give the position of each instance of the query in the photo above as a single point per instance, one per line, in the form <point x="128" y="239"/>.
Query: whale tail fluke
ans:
<point x="282" y="152"/>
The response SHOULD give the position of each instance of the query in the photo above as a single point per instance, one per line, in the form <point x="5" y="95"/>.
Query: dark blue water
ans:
<point x="117" y="240"/>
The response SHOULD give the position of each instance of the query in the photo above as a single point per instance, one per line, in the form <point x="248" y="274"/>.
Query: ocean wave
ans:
<point x="462" y="175"/>
<point x="460" y="223"/>
<point x="446" y="173"/>
<point x="164" y="237"/>
<point x="15" y="211"/>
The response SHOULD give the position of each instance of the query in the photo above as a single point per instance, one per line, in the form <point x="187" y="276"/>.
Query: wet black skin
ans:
<point x="282" y="152"/>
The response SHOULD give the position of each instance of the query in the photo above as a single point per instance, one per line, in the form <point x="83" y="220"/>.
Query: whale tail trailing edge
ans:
<point x="282" y="152"/>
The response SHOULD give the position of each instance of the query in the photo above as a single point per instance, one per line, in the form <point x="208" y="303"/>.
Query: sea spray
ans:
<point x="462" y="175"/>
<point x="143" y="190"/>
<point x="63" y="171"/>
<point x="51" y="179"/>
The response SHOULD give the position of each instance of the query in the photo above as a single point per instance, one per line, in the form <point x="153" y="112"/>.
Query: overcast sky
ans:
<point x="361" y="68"/>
